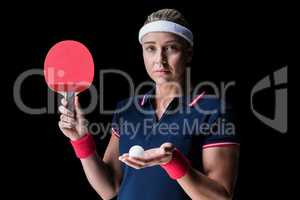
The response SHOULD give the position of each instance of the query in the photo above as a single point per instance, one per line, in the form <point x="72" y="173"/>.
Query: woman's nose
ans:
<point x="161" y="57"/>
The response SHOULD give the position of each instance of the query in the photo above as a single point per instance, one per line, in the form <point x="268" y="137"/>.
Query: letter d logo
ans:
<point x="279" y="122"/>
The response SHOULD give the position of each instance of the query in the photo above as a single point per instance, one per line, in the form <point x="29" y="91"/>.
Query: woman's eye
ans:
<point x="150" y="49"/>
<point x="171" y="48"/>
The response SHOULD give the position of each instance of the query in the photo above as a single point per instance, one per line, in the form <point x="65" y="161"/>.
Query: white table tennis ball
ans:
<point x="136" y="151"/>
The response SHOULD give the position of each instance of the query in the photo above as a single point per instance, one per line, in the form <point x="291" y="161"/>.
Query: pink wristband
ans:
<point x="84" y="147"/>
<point x="178" y="166"/>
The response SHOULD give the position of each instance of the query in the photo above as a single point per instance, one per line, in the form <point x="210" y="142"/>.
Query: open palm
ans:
<point x="151" y="157"/>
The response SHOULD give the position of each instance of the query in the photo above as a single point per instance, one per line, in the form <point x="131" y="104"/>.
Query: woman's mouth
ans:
<point x="162" y="72"/>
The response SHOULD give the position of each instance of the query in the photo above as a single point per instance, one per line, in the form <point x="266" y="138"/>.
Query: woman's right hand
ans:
<point x="73" y="125"/>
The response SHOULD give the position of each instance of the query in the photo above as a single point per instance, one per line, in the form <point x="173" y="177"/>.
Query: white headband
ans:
<point x="166" y="26"/>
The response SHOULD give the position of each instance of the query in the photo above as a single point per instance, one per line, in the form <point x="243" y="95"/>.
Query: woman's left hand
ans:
<point x="151" y="157"/>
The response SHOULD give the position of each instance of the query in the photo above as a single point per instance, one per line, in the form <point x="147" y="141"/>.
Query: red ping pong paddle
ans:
<point x="69" y="69"/>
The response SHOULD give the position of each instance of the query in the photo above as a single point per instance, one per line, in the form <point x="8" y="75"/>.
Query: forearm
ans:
<point x="199" y="186"/>
<point x="100" y="176"/>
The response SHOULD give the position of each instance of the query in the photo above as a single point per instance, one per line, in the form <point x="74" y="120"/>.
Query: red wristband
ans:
<point x="178" y="166"/>
<point x="84" y="147"/>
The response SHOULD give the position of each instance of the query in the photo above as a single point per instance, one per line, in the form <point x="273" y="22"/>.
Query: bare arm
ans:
<point x="105" y="174"/>
<point x="220" y="166"/>
<point x="217" y="182"/>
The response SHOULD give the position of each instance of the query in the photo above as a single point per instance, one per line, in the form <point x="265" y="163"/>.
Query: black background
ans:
<point x="243" y="43"/>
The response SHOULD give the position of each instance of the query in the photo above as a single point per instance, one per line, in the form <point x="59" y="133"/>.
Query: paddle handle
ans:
<point x="70" y="97"/>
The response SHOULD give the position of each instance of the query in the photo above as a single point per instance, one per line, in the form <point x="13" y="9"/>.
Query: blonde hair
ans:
<point x="171" y="15"/>
<point x="168" y="15"/>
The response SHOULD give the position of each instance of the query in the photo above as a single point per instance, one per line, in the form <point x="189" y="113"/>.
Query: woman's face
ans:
<point x="165" y="57"/>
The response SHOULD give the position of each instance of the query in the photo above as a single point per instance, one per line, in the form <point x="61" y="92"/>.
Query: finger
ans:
<point x="150" y="161"/>
<point x="132" y="163"/>
<point x="122" y="159"/>
<point x="123" y="156"/>
<point x="167" y="147"/>
<point x="141" y="162"/>
<point x="66" y="118"/>
<point x="64" y="102"/>
<point x="65" y="111"/>
<point x="65" y="125"/>
<point x="78" y="109"/>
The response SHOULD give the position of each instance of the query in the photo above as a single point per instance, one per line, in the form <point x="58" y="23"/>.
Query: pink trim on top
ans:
<point x="143" y="100"/>
<point x="196" y="99"/>
<point x="220" y="144"/>
<point x="115" y="132"/>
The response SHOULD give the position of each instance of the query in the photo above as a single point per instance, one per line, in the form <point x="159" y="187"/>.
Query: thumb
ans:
<point x="78" y="109"/>
<point x="167" y="147"/>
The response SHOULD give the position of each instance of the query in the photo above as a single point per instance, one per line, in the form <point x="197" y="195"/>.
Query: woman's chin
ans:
<point x="163" y="80"/>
